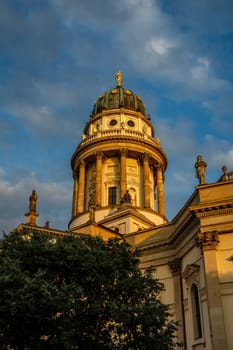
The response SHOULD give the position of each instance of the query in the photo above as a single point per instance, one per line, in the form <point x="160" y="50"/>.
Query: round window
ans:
<point x="130" y="123"/>
<point x="113" y="122"/>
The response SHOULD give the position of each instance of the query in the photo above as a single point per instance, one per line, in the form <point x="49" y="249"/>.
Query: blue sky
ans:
<point x="58" y="56"/>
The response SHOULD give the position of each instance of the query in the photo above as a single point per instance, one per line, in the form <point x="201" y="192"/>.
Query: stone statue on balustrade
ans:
<point x="225" y="176"/>
<point x="200" y="166"/>
<point x="32" y="202"/>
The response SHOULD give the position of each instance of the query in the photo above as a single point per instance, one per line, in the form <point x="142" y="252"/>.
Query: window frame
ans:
<point x="112" y="195"/>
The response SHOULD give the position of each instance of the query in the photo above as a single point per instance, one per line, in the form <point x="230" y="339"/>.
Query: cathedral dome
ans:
<point x="118" y="97"/>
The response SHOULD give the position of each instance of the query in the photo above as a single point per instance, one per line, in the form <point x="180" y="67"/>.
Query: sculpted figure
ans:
<point x="126" y="198"/>
<point x="32" y="201"/>
<point x="119" y="78"/>
<point x="46" y="225"/>
<point x="200" y="166"/>
<point x="225" y="176"/>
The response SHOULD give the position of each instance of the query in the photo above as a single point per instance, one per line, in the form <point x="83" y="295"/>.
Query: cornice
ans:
<point x="211" y="209"/>
<point x="156" y="244"/>
<point x="182" y="228"/>
<point x="121" y="138"/>
<point x="127" y="211"/>
<point x="40" y="229"/>
<point x="170" y="241"/>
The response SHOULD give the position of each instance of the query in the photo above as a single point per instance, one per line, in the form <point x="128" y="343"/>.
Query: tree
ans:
<point x="78" y="292"/>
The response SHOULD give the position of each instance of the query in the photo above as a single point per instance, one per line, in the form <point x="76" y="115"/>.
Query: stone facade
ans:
<point x="118" y="173"/>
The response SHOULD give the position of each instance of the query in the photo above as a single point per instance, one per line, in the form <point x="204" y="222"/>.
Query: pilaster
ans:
<point x="175" y="268"/>
<point x="208" y="242"/>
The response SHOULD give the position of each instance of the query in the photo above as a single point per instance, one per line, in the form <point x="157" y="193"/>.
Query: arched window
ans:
<point x="196" y="312"/>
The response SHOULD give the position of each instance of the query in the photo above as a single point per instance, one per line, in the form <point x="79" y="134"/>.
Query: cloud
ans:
<point x="177" y="135"/>
<point x="54" y="201"/>
<point x="93" y="14"/>
<point x="159" y="46"/>
<point x="156" y="45"/>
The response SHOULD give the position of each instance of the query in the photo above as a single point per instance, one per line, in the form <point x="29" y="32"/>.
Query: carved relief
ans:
<point x="112" y="170"/>
<point x="191" y="273"/>
<point x="132" y="181"/>
<point x="132" y="170"/>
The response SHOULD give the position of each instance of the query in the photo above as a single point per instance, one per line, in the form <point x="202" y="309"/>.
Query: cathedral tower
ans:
<point x="118" y="168"/>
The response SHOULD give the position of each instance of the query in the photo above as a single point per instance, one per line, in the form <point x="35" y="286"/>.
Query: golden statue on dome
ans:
<point x="119" y="78"/>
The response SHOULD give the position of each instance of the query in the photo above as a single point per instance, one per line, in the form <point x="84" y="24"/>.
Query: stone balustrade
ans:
<point x="119" y="132"/>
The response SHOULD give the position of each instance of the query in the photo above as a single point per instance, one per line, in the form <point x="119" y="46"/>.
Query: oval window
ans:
<point x="130" y="123"/>
<point x="113" y="122"/>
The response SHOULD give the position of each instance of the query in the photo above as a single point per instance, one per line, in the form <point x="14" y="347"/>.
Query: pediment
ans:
<point x="190" y="270"/>
<point x="128" y="212"/>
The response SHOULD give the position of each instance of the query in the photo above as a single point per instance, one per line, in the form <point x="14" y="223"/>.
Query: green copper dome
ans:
<point x="119" y="97"/>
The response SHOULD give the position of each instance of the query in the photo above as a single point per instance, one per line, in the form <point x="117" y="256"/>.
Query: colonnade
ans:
<point x="79" y="182"/>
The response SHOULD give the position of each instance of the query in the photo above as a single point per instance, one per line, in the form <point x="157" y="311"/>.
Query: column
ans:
<point x="75" y="195"/>
<point x="98" y="184"/>
<point x="155" y="186"/>
<point x="123" y="182"/>
<point x="146" y="178"/>
<point x="81" y="185"/>
<point x="160" y="191"/>
<point x="175" y="268"/>
<point x="208" y="242"/>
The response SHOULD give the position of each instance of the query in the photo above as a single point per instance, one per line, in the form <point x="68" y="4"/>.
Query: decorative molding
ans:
<point x="214" y="209"/>
<point x="226" y="288"/>
<point x="203" y="294"/>
<point x="145" y="143"/>
<point x="99" y="155"/>
<point x="82" y="163"/>
<point x="207" y="240"/>
<point x="175" y="267"/>
<point x="178" y="232"/>
<point x="191" y="271"/>
<point x="145" y="157"/>
<point x="124" y="152"/>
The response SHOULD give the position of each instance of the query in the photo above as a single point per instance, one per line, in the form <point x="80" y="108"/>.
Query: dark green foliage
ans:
<point x="78" y="293"/>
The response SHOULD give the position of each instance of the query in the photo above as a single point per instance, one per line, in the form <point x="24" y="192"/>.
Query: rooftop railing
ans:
<point x="119" y="132"/>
